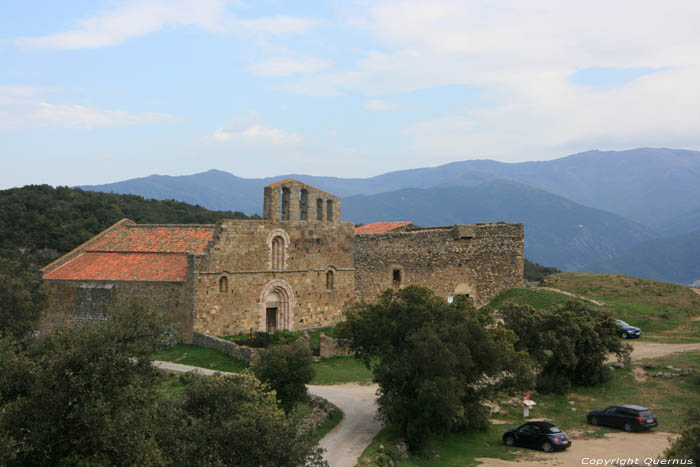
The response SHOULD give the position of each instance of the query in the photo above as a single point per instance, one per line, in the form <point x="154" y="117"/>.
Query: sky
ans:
<point x="99" y="91"/>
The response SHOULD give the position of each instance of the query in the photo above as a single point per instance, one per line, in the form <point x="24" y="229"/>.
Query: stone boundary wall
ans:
<point x="322" y="410"/>
<point x="247" y="354"/>
<point x="331" y="348"/>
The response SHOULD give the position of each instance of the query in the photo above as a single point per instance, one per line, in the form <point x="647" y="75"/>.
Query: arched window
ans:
<point x="285" y="204"/>
<point x="303" y="205"/>
<point x="319" y="209"/>
<point x="278" y="252"/>
<point x="223" y="285"/>
<point x="329" y="280"/>
<point x="329" y="209"/>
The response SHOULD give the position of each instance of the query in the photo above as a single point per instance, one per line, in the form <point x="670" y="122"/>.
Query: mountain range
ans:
<point x="584" y="209"/>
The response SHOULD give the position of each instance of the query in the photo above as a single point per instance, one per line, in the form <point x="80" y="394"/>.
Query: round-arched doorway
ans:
<point x="276" y="306"/>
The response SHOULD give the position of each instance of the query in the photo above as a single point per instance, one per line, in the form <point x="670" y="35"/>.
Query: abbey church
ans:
<point x="297" y="268"/>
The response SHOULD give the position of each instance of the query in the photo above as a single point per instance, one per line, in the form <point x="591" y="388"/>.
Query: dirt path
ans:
<point x="644" y="350"/>
<point x="345" y="443"/>
<point x="580" y="297"/>
<point x="696" y="290"/>
<point x="613" y="446"/>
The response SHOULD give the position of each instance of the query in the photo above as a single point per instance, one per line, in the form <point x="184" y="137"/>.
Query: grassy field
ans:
<point x="188" y="354"/>
<point x="665" y="312"/>
<point x="668" y="398"/>
<point x="339" y="370"/>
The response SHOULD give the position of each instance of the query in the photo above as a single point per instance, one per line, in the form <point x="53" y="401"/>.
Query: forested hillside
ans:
<point x="38" y="222"/>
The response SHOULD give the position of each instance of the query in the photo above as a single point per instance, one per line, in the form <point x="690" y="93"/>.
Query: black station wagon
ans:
<point x="538" y="435"/>
<point x="627" y="417"/>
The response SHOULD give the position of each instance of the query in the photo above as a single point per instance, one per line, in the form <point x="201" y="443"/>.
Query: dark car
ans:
<point x="627" y="417"/>
<point x="538" y="435"/>
<point x="626" y="330"/>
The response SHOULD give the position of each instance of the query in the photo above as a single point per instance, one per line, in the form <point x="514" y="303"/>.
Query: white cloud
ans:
<point x="521" y="56"/>
<point x="141" y="17"/>
<point x="381" y="105"/>
<point x="285" y="66"/>
<point x="249" y="131"/>
<point x="25" y="107"/>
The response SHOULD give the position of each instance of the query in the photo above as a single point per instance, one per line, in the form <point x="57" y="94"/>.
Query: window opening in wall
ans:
<point x="329" y="209"/>
<point x="319" y="209"/>
<point x="223" y="285"/>
<point x="396" y="277"/>
<point x="303" y="205"/>
<point x="278" y="252"/>
<point x="329" y="280"/>
<point x="284" y="205"/>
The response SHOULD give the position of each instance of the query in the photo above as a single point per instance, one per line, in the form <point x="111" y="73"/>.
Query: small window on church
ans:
<point x="319" y="209"/>
<point x="396" y="277"/>
<point x="277" y="252"/>
<point x="329" y="280"/>
<point x="223" y="285"/>
<point x="329" y="210"/>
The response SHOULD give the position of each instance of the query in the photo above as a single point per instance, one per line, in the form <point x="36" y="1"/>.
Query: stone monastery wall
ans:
<point x="298" y="268"/>
<point x="234" y="281"/>
<point x="481" y="260"/>
<point x="90" y="301"/>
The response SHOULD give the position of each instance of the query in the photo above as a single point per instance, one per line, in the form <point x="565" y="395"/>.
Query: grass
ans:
<point x="536" y="298"/>
<point x="315" y="335"/>
<point x="665" y="312"/>
<point x="339" y="370"/>
<point x="188" y="354"/>
<point x="668" y="399"/>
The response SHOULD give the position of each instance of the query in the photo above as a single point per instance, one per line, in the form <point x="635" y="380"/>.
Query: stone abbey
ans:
<point x="297" y="268"/>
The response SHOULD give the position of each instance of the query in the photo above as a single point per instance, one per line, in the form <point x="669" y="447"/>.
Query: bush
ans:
<point x="569" y="343"/>
<point x="287" y="369"/>
<point x="233" y="420"/>
<point x="687" y="446"/>
<point x="434" y="362"/>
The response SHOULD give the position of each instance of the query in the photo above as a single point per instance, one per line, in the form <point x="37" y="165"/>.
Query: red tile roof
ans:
<point x="144" y="238"/>
<point x="380" y="227"/>
<point x="142" y="267"/>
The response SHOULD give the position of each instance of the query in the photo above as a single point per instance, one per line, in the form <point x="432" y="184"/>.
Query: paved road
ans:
<point x="345" y="443"/>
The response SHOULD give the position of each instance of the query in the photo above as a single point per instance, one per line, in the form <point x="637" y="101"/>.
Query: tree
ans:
<point x="434" y="362"/>
<point x="687" y="446"/>
<point x="21" y="298"/>
<point x="83" y="395"/>
<point x="234" y="420"/>
<point x="569" y="344"/>
<point x="287" y="369"/>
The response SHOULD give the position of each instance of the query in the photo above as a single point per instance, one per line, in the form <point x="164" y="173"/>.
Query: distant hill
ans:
<point x="648" y="185"/>
<point x="674" y="259"/>
<point x="684" y="223"/>
<point x="38" y="222"/>
<point x="558" y="232"/>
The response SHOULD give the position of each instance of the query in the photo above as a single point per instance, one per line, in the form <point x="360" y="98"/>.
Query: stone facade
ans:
<point x="89" y="301"/>
<point x="298" y="268"/>
<point x="478" y="260"/>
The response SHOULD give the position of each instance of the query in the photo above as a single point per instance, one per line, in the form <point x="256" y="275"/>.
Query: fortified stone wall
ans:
<point x="481" y="260"/>
<point x="89" y="301"/>
<point x="252" y="264"/>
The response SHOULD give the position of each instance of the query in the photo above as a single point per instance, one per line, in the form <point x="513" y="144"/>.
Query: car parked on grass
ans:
<point x="628" y="417"/>
<point x="538" y="435"/>
<point x="626" y="330"/>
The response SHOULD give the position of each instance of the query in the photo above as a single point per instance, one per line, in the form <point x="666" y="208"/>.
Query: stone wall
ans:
<point x="246" y="354"/>
<point x="90" y="301"/>
<point x="329" y="347"/>
<point x="242" y="255"/>
<point x="482" y="260"/>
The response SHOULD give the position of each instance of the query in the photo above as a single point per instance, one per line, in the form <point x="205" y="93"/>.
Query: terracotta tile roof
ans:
<point x="144" y="238"/>
<point x="141" y="267"/>
<point x="380" y="227"/>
